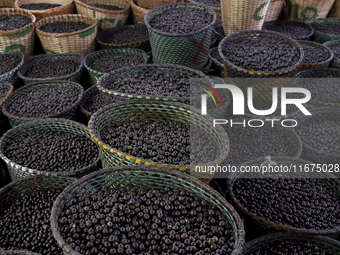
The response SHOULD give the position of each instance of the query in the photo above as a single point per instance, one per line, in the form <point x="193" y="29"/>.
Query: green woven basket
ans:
<point x="148" y="178"/>
<point x="69" y="113"/>
<point x="59" y="125"/>
<point x="325" y="243"/>
<point x="322" y="37"/>
<point x="336" y="61"/>
<point x="11" y="76"/>
<point x="191" y="50"/>
<point x="95" y="75"/>
<point x="144" y="110"/>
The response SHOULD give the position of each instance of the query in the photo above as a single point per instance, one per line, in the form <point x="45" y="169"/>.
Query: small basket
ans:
<point x="301" y="10"/>
<point x="234" y="71"/>
<point x="324" y="64"/>
<point x="322" y="242"/>
<point x="12" y="252"/>
<point x="151" y="4"/>
<point x="191" y="50"/>
<point x="95" y="75"/>
<point x="314" y="154"/>
<point x="21" y="39"/>
<point x="69" y="113"/>
<point x="336" y="61"/>
<point x="267" y="227"/>
<point x="218" y="25"/>
<point x="146" y="178"/>
<point x="106" y="18"/>
<point x="322" y="37"/>
<point x="29" y="62"/>
<point x="104" y="38"/>
<point x="138" y="13"/>
<point x="82" y="42"/>
<point x="12" y="76"/>
<point x="65" y="8"/>
<point x="60" y="125"/>
<point x="7" y="3"/>
<point x="2" y="101"/>
<point x="274" y="10"/>
<point x="270" y="26"/>
<point x="217" y="10"/>
<point x="145" y="110"/>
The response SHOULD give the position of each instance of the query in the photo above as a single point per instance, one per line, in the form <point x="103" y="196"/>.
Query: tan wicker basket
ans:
<point x="150" y="4"/>
<point x="238" y="15"/>
<point x="138" y="13"/>
<point x="65" y="8"/>
<point x="274" y="9"/>
<point x="335" y="10"/>
<point x="301" y="10"/>
<point x="82" y="42"/>
<point x="217" y="10"/>
<point x="19" y="39"/>
<point x="106" y="18"/>
<point x="7" y="3"/>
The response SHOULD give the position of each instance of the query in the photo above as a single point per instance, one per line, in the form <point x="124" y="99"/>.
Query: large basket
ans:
<point x="217" y="10"/>
<point x="322" y="242"/>
<point x="82" y="42"/>
<point x="95" y="75"/>
<point x="69" y="113"/>
<point x="234" y="71"/>
<point x="301" y="10"/>
<point x="322" y="37"/>
<point x="138" y="13"/>
<point x="65" y="8"/>
<point x="274" y="9"/>
<point x="7" y="3"/>
<point x="336" y="61"/>
<point x="270" y="26"/>
<point x="265" y="226"/>
<point x="2" y="101"/>
<point x="144" y="110"/>
<point x="12" y="76"/>
<point x="21" y="39"/>
<point x="315" y="154"/>
<point x="150" y="4"/>
<point x="191" y="50"/>
<point x="29" y="62"/>
<point x="324" y="64"/>
<point x="105" y="36"/>
<point x="60" y="125"/>
<point x="106" y="18"/>
<point x="146" y="178"/>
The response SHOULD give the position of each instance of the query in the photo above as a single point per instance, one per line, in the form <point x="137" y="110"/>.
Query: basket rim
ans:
<point x="139" y="69"/>
<point x="57" y="8"/>
<point x="214" y="8"/>
<point x="84" y="99"/>
<point x="183" y="107"/>
<point x="18" y="11"/>
<point x="54" y="83"/>
<point x="97" y="9"/>
<point x="218" y="24"/>
<point x="22" y="55"/>
<point x="289" y="22"/>
<point x="18" y="252"/>
<point x="126" y="50"/>
<point x="271" y="224"/>
<point x="33" y="123"/>
<point x="281" y="71"/>
<point x="135" y="26"/>
<point x="60" y="18"/>
<point x="33" y="58"/>
<point x="179" y="5"/>
<point x="216" y="62"/>
<point x="329" y="44"/>
<point x="59" y="201"/>
<point x="10" y="91"/>
<point x="331" y="55"/>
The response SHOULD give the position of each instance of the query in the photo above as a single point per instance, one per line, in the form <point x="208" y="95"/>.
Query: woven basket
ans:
<point x="335" y="10"/>
<point x="95" y="75"/>
<point x="65" y="8"/>
<point x="274" y="9"/>
<point x="239" y="72"/>
<point x="219" y="35"/>
<point x="146" y="178"/>
<point x="336" y="61"/>
<point x="2" y="101"/>
<point x="264" y="226"/>
<point x="314" y="154"/>
<point x="11" y="252"/>
<point x="301" y="10"/>
<point x="145" y="110"/>
<point x="243" y="15"/>
<point x="29" y="62"/>
<point x="12" y="76"/>
<point x="60" y="125"/>
<point x="217" y="10"/>
<point x="191" y="50"/>
<point x="138" y="13"/>
<point x="106" y="18"/>
<point x="69" y="113"/>
<point x="7" y="3"/>
<point x="21" y="39"/>
<point x="82" y="42"/>
<point x="270" y="26"/>
<point x="150" y="4"/>
<point x="324" y="64"/>
<point x="322" y="37"/>
<point x="322" y="242"/>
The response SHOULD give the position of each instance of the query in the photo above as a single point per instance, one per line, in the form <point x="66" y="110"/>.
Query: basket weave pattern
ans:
<point x="322" y="37"/>
<point x="301" y="10"/>
<point x="138" y="13"/>
<point x="274" y="9"/>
